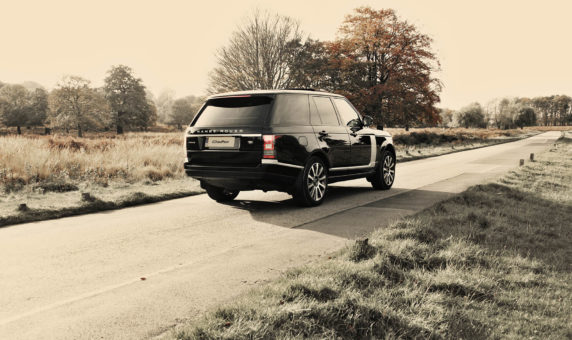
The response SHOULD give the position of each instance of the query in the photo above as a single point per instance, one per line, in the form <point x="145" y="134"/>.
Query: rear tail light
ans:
<point x="268" y="150"/>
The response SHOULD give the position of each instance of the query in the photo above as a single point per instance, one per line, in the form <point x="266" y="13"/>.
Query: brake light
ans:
<point x="268" y="150"/>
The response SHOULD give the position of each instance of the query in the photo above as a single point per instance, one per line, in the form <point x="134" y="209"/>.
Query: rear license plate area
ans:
<point x="222" y="143"/>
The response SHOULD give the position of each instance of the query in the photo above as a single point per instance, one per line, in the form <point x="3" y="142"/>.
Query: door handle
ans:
<point x="323" y="133"/>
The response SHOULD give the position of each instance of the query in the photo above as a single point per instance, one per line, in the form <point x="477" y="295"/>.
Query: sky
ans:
<point x="487" y="49"/>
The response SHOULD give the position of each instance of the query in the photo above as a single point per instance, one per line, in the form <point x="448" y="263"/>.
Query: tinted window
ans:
<point x="235" y="111"/>
<point x="291" y="109"/>
<point x="314" y="116"/>
<point x="346" y="111"/>
<point x="325" y="111"/>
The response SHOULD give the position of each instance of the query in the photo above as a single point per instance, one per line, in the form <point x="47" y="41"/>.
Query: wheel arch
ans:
<point x="384" y="144"/>
<point x="390" y="148"/>
<point x="320" y="154"/>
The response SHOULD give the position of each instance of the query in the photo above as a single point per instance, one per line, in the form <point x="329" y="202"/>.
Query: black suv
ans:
<point x="295" y="141"/>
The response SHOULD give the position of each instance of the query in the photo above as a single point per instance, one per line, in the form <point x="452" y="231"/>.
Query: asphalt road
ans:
<point x="81" y="277"/>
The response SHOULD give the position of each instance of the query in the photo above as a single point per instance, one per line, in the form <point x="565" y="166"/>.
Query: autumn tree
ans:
<point x="127" y="98"/>
<point x="386" y="68"/>
<point x="258" y="55"/>
<point x="14" y="106"/>
<point x="183" y="111"/>
<point x="74" y="104"/>
<point x="310" y="65"/>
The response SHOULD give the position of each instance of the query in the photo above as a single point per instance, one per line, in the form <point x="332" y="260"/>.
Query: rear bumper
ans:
<point x="273" y="176"/>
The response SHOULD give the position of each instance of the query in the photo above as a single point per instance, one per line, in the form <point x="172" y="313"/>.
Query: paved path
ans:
<point x="80" y="277"/>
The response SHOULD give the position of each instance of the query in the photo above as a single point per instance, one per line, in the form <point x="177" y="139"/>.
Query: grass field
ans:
<point x="492" y="262"/>
<point x="61" y="176"/>
<point x="131" y="158"/>
<point x="422" y="143"/>
<point x="52" y="174"/>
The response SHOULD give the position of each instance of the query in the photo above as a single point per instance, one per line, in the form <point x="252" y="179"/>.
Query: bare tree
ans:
<point x="446" y="117"/>
<point x="258" y="55"/>
<point x="164" y="105"/>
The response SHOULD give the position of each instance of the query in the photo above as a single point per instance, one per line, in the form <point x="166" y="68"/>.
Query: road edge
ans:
<point x="136" y="199"/>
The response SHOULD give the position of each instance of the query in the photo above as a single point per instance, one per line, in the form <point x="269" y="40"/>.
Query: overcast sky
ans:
<point x="487" y="49"/>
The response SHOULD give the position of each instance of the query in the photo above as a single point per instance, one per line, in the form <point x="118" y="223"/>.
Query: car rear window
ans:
<point x="291" y="109"/>
<point x="237" y="111"/>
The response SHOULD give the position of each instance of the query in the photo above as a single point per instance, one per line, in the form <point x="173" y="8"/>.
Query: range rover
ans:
<point x="294" y="141"/>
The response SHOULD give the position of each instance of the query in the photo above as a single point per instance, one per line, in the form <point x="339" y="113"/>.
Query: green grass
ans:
<point x="492" y="262"/>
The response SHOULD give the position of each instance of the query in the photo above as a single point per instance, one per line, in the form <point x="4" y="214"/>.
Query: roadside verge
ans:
<point x="493" y="261"/>
<point x="57" y="205"/>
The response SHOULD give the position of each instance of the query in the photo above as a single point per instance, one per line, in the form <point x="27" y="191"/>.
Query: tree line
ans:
<point x="510" y="113"/>
<point x="382" y="63"/>
<point x="122" y="103"/>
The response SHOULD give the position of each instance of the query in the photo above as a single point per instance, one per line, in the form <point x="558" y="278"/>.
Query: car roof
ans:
<point x="263" y="92"/>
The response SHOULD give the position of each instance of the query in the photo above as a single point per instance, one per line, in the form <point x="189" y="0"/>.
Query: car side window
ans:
<point x="291" y="109"/>
<point x="323" y="112"/>
<point x="314" y="116"/>
<point x="347" y="113"/>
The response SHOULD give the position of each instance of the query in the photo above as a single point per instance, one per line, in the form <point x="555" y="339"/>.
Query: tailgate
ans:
<point x="225" y="150"/>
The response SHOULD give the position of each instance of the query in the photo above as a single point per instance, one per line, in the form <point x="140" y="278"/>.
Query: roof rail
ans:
<point x="305" y="89"/>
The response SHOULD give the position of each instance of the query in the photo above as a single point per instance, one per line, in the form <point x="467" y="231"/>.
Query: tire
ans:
<point x="221" y="194"/>
<point x="385" y="173"/>
<point x="312" y="183"/>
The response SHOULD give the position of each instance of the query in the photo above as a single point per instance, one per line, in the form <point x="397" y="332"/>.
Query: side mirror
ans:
<point x="355" y="124"/>
<point x="367" y="121"/>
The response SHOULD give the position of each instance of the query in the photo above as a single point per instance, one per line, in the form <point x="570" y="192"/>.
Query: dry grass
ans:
<point x="48" y="173"/>
<point x="51" y="173"/>
<point x="131" y="158"/>
<point x="492" y="262"/>
<point x="455" y="134"/>
<point x="478" y="133"/>
<point x="58" y="163"/>
<point x="428" y="142"/>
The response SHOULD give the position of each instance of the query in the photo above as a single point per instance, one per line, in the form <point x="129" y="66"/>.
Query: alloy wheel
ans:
<point x="316" y="181"/>
<point x="388" y="170"/>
